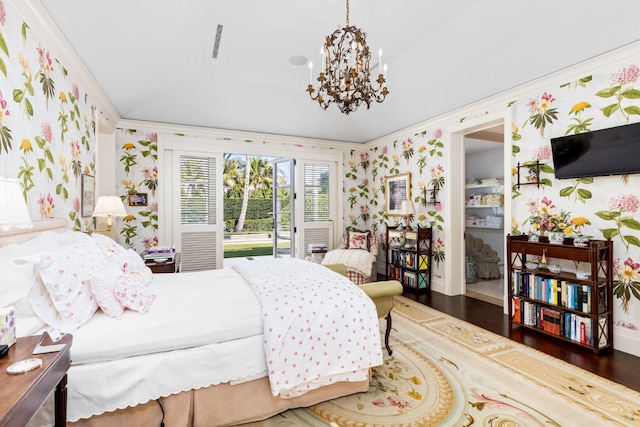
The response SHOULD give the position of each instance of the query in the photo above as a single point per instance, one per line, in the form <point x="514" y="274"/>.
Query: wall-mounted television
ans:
<point x="612" y="151"/>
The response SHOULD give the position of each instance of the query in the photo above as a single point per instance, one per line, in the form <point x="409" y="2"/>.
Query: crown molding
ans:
<point x="36" y="16"/>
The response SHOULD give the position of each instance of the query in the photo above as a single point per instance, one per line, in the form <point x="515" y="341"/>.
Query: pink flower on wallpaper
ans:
<point x="76" y="91"/>
<point x="149" y="242"/>
<point x="365" y="182"/>
<point x="153" y="207"/>
<point x="407" y="144"/>
<point x="437" y="134"/>
<point x="625" y="203"/>
<point x="364" y="209"/>
<point x="3" y="13"/>
<point x="76" y="204"/>
<point x="46" y="64"/>
<point x="47" y="133"/>
<point x="384" y="150"/>
<point x="542" y="152"/>
<point x="625" y="75"/>
<point x="46" y="205"/>
<point x="153" y="137"/>
<point x="75" y="150"/>
<point x="4" y="112"/>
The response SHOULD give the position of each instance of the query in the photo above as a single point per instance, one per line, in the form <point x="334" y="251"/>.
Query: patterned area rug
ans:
<point x="446" y="372"/>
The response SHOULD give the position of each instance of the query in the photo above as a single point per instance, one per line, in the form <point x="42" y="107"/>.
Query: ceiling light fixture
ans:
<point x="345" y="79"/>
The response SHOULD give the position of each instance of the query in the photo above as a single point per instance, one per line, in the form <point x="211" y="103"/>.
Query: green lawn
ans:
<point x="249" y="249"/>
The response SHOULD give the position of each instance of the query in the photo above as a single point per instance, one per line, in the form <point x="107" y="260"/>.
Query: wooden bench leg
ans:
<point x="387" y="332"/>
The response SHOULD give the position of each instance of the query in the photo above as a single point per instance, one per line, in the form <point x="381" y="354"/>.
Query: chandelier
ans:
<point x="345" y="79"/>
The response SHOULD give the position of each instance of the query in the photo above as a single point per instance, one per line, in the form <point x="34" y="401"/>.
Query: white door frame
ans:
<point x="455" y="266"/>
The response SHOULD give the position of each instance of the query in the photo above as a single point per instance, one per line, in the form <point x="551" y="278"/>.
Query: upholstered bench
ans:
<point x="381" y="293"/>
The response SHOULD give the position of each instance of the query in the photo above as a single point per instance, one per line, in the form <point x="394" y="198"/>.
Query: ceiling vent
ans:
<point x="216" y="44"/>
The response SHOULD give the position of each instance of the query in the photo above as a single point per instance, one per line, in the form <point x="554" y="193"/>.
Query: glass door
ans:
<point x="283" y="208"/>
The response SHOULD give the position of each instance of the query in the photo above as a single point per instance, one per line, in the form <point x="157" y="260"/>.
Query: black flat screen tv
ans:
<point x="612" y="151"/>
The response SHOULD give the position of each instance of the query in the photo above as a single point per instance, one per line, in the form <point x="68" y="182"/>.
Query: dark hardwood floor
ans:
<point x="615" y="365"/>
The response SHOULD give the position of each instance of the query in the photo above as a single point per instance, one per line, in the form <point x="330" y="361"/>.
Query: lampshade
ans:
<point x="407" y="208"/>
<point x="13" y="208"/>
<point x="109" y="206"/>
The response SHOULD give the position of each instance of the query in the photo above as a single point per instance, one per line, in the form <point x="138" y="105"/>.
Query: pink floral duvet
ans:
<point x="319" y="328"/>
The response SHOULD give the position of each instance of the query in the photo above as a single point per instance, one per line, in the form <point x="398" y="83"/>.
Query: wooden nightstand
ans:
<point x="22" y="395"/>
<point x="165" y="267"/>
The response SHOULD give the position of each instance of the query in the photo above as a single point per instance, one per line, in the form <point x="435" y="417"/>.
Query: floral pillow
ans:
<point x="133" y="294"/>
<point x="64" y="275"/>
<point x="359" y="240"/>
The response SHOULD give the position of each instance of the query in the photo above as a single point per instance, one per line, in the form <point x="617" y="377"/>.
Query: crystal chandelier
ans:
<point x="345" y="79"/>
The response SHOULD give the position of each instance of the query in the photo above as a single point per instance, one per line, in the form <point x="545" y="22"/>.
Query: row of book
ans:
<point x="557" y="291"/>
<point x="410" y="260"/>
<point x="572" y="326"/>
<point x="408" y="278"/>
<point x="160" y="252"/>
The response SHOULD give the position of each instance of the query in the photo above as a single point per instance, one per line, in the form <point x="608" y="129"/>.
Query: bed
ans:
<point x="211" y="348"/>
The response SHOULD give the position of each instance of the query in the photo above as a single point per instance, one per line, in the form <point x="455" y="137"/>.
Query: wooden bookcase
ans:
<point x="408" y="257"/>
<point x="569" y="308"/>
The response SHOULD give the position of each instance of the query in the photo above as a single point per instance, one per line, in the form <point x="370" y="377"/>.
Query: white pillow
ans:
<point x="103" y="285"/>
<point x="17" y="279"/>
<point x="126" y="260"/>
<point x="65" y="276"/>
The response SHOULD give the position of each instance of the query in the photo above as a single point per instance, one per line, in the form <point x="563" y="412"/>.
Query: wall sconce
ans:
<point x="109" y="206"/>
<point x="13" y="208"/>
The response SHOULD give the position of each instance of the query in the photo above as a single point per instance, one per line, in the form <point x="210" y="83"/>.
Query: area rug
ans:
<point x="446" y="372"/>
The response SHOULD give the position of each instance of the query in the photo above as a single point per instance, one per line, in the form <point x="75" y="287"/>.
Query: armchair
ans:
<point x="358" y="251"/>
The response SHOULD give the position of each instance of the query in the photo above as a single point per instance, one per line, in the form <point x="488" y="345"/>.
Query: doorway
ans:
<point x="484" y="214"/>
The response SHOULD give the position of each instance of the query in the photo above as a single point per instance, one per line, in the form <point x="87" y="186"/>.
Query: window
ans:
<point x="316" y="192"/>
<point x="197" y="190"/>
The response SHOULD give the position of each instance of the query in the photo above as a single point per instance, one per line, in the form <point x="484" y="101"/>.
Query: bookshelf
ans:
<point x="577" y="308"/>
<point x="408" y="257"/>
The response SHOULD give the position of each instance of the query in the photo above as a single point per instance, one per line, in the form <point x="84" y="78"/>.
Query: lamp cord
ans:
<point x="162" y="409"/>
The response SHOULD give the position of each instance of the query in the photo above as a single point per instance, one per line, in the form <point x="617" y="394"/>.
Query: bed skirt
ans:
<point x="219" y="405"/>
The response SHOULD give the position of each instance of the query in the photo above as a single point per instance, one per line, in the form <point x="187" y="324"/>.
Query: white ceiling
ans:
<point x="152" y="58"/>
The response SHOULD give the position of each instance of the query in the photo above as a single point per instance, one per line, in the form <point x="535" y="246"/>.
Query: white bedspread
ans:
<point x="204" y="328"/>
<point x="354" y="259"/>
<point x="319" y="328"/>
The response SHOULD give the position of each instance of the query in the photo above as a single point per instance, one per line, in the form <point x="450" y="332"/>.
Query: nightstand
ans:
<point x="22" y="395"/>
<point x="165" y="267"/>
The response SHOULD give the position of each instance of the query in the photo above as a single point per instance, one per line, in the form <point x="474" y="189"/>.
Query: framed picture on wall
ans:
<point x="396" y="189"/>
<point x="87" y="195"/>
<point x="137" y="199"/>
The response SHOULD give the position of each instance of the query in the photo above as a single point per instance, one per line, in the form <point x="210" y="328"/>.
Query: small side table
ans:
<point x="165" y="267"/>
<point x="22" y="395"/>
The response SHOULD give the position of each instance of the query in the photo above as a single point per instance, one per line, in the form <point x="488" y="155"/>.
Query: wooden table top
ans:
<point x="21" y="395"/>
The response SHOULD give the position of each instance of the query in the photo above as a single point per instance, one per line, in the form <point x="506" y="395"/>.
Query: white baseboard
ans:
<point x="626" y="340"/>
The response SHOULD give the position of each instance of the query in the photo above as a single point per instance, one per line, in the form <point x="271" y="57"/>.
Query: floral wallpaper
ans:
<point x="599" y="207"/>
<point x="137" y="172"/>
<point x="47" y="127"/>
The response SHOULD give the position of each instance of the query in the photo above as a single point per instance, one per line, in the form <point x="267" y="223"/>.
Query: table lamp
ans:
<point x="407" y="209"/>
<point x="13" y="208"/>
<point x="109" y="206"/>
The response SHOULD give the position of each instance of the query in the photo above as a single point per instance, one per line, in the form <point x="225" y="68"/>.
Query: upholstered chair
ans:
<point x="358" y="251"/>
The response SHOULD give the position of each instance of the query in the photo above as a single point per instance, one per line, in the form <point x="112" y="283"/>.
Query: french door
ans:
<point x="283" y="208"/>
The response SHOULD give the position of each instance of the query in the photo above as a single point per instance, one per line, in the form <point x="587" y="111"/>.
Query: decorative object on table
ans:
<point x="7" y="326"/>
<point x="160" y="254"/>
<point x="555" y="268"/>
<point x="397" y="189"/>
<point x="581" y="241"/>
<point x="345" y="77"/>
<point x="87" y="195"/>
<point x="556" y="237"/>
<point x="109" y="207"/>
<point x="407" y="209"/>
<point x="13" y="208"/>
<point x="534" y="237"/>
<point x="584" y="275"/>
<point x="531" y="265"/>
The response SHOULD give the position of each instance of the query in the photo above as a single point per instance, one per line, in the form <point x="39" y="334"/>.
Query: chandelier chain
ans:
<point x="347" y="13"/>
